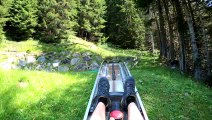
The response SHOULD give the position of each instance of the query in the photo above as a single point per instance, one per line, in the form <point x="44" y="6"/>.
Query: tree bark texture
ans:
<point x="162" y="30"/>
<point x="195" y="52"/>
<point x="158" y="31"/>
<point x="170" y="27"/>
<point x="181" y="32"/>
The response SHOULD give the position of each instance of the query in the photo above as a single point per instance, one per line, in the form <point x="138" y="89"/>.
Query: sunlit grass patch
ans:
<point x="42" y="95"/>
<point x="74" y="44"/>
<point x="23" y="46"/>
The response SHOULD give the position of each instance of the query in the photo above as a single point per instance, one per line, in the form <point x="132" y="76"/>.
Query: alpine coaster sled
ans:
<point x="116" y="72"/>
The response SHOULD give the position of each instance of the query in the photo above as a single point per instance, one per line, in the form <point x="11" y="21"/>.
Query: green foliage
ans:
<point x="4" y="6"/>
<point x="23" y="19"/>
<point x="144" y="3"/>
<point x="57" y="20"/>
<point x="125" y="25"/>
<point x="54" y="20"/>
<point x="92" y="20"/>
<point x="1" y="34"/>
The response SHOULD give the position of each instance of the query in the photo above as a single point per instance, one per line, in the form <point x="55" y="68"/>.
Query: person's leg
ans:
<point x="129" y="92"/>
<point x="133" y="112"/>
<point x="99" y="112"/>
<point x="101" y="100"/>
<point x="129" y="100"/>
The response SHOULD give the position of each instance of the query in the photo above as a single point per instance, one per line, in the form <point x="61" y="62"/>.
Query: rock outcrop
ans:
<point x="53" y="61"/>
<point x="60" y="61"/>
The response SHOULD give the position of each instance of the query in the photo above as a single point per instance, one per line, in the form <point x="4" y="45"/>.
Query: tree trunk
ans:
<point x="171" y="35"/>
<point x="158" y="31"/>
<point x="207" y="47"/>
<point x="195" y="52"/>
<point x="162" y="30"/>
<point x="150" y="31"/>
<point x="181" y="32"/>
<point x="152" y="42"/>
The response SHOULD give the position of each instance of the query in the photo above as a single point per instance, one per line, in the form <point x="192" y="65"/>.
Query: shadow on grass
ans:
<point x="67" y="103"/>
<point x="169" y="95"/>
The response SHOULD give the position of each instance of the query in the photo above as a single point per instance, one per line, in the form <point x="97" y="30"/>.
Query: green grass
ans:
<point x="23" y="46"/>
<point x="169" y="95"/>
<point x="41" y="95"/>
<point x="74" y="44"/>
<point x="166" y="94"/>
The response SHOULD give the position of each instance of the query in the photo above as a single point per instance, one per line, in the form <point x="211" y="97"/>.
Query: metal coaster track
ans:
<point x="116" y="72"/>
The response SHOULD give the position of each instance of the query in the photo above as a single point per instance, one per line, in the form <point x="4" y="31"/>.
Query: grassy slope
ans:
<point x="167" y="95"/>
<point x="75" y="45"/>
<point x="40" y="95"/>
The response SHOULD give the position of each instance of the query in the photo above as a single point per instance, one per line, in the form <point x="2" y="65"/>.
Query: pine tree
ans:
<point x="125" y="26"/>
<point x="23" y="19"/>
<point x="4" y="8"/>
<point x="57" y="20"/>
<point x="144" y="3"/>
<point x="92" y="19"/>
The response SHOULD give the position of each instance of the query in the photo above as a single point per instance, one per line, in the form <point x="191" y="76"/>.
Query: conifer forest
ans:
<point x="179" y="30"/>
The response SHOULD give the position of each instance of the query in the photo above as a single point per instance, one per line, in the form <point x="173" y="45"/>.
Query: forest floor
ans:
<point x="166" y="93"/>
